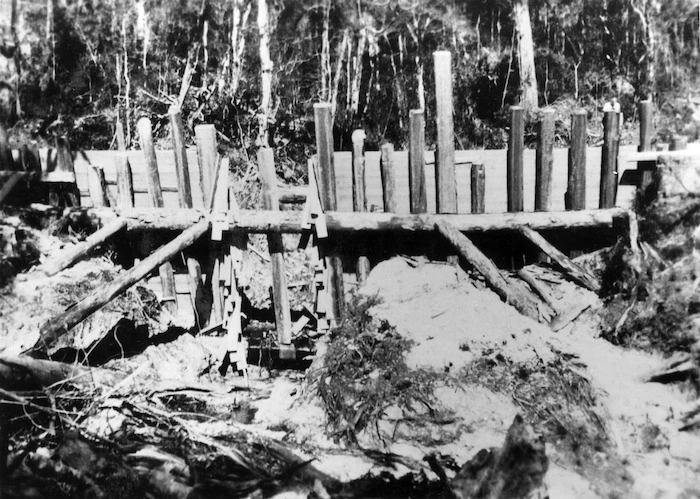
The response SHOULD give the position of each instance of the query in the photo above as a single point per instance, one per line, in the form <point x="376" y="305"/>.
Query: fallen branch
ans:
<point x="56" y="327"/>
<point x="574" y="271"/>
<point x="76" y="253"/>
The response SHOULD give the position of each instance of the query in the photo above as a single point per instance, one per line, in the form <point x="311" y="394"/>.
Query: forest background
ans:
<point x="254" y="68"/>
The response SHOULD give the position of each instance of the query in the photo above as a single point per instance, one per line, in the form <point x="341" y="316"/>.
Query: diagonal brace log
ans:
<point x="53" y="329"/>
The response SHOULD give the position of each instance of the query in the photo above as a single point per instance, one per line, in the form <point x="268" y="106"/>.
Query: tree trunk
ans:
<point x="237" y="41"/>
<point x="9" y="68"/>
<point x="526" y="55"/>
<point x="266" y="73"/>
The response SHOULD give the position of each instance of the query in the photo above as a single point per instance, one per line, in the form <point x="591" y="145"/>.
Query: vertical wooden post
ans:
<point x="416" y="162"/>
<point x="125" y="180"/>
<point x="388" y="178"/>
<point x="64" y="163"/>
<point x="152" y="176"/>
<point x="205" y="136"/>
<point x="6" y="161"/>
<point x="576" y="185"/>
<point x="516" y="147"/>
<point x="181" y="168"/>
<point x="646" y="134"/>
<point x="31" y="159"/>
<point x="167" y="277"/>
<point x="544" y="161"/>
<point x="326" y="187"/>
<point x="97" y="185"/>
<point x="359" y="196"/>
<point x="280" y="299"/>
<point x="678" y="143"/>
<point x="478" y="188"/>
<point x="445" y="179"/>
<point x="121" y="137"/>
<point x="608" y="163"/>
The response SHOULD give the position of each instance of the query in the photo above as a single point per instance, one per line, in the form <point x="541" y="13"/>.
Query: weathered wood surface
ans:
<point x="416" y="160"/>
<point x="493" y="277"/>
<point x="494" y="162"/>
<point x="544" y="161"/>
<point x="280" y="297"/>
<point x="608" y="162"/>
<point x="574" y="271"/>
<point x="79" y="251"/>
<point x="576" y="191"/>
<point x="290" y="221"/>
<point x="516" y="148"/>
<point x="447" y="200"/>
<point x="359" y="197"/>
<point x="57" y="326"/>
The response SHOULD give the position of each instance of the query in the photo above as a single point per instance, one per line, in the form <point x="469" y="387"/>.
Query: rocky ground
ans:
<point x="432" y="386"/>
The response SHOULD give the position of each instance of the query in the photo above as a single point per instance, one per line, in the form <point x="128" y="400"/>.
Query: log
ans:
<point x="576" y="186"/>
<point x="76" y="253"/>
<point x="359" y="197"/>
<point x="646" y="135"/>
<point x="327" y="195"/>
<point x="53" y="329"/>
<point x="571" y="269"/>
<point x="478" y="188"/>
<point x="152" y="175"/>
<point x="445" y="180"/>
<point x="181" y="167"/>
<point x="280" y="297"/>
<point x="536" y="286"/>
<point x="205" y="136"/>
<point x="416" y="162"/>
<point x="388" y="173"/>
<point x="254" y="221"/>
<point x="484" y="265"/>
<point x="544" y="160"/>
<point x="97" y="184"/>
<point x="125" y="180"/>
<point x="516" y="148"/>
<point x="608" y="163"/>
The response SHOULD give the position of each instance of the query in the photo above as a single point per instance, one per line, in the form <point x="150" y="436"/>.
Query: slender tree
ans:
<point x="526" y="54"/>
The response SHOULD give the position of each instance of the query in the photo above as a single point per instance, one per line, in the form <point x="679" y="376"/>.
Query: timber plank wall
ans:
<point x="494" y="162"/>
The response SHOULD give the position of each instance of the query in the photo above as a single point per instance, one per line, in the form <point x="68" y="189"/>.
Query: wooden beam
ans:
<point x="576" y="187"/>
<point x="359" y="197"/>
<point x="53" y="329"/>
<point x="516" y="149"/>
<point x="280" y="297"/>
<point x="125" y="180"/>
<point x="608" y="162"/>
<point x="70" y="256"/>
<point x="574" y="271"/>
<point x="416" y="162"/>
<point x="205" y="136"/>
<point x="97" y="185"/>
<point x="445" y="180"/>
<point x="478" y="188"/>
<point x="181" y="168"/>
<point x="261" y="221"/>
<point x="493" y="277"/>
<point x="544" y="161"/>
<point x="388" y="173"/>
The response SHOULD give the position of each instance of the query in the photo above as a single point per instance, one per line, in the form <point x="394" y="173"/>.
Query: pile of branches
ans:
<point x="365" y="372"/>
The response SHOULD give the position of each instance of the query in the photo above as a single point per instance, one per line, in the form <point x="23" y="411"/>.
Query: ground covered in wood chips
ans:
<point x="422" y="391"/>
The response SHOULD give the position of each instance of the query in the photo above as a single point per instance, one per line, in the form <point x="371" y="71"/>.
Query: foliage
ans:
<point x="365" y="372"/>
<point x="100" y="59"/>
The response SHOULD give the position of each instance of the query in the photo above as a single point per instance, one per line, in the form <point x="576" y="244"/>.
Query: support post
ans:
<point x="64" y="163"/>
<point x="608" y="163"/>
<point x="388" y="178"/>
<point x="326" y="187"/>
<point x="280" y="298"/>
<point x="121" y="136"/>
<point x="678" y="143"/>
<point x="445" y="179"/>
<point x="6" y="161"/>
<point x="359" y="196"/>
<point x="31" y="160"/>
<point x="181" y="168"/>
<point x="576" y="185"/>
<point x="167" y="277"/>
<point x="97" y="185"/>
<point x="416" y="162"/>
<point x="646" y="135"/>
<point x="205" y="136"/>
<point x="478" y="188"/>
<point x="125" y="180"/>
<point x="544" y="161"/>
<point x="516" y="146"/>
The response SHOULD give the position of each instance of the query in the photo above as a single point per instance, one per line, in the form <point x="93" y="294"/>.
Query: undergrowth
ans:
<point x="365" y="373"/>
